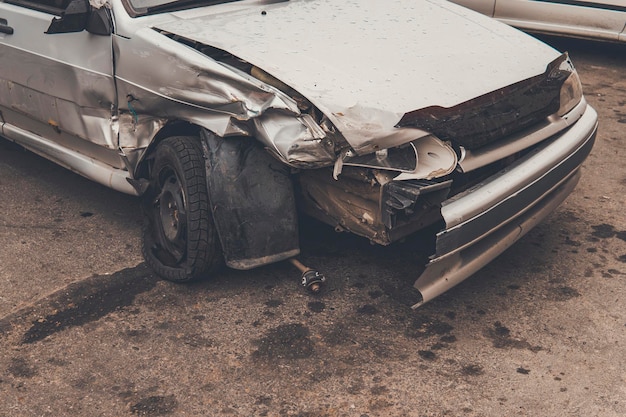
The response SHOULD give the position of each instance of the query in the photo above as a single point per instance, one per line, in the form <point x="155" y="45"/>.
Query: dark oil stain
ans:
<point x="287" y="341"/>
<point x="377" y="348"/>
<point x="86" y="214"/>
<point x="615" y="272"/>
<point x="501" y="338"/>
<point x="379" y="390"/>
<point x="571" y="242"/>
<point x="320" y="375"/>
<point x="621" y="235"/>
<point x="424" y="326"/>
<point x="136" y="333"/>
<point x="274" y="303"/>
<point x="472" y="370"/>
<point x="155" y="406"/>
<point x="85" y="381"/>
<point x="500" y="330"/>
<point x="125" y="395"/>
<point x="263" y="400"/>
<point x="375" y="294"/>
<point x="563" y="293"/>
<point x="20" y="368"/>
<point x="367" y="309"/>
<point x="316" y="306"/>
<point x="523" y="371"/>
<point x="208" y="387"/>
<point x="592" y="250"/>
<point x="622" y="258"/>
<point x="448" y="338"/>
<point x="621" y="121"/>
<point x="379" y="404"/>
<point x="405" y="295"/>
<point x="199" y="317"/>
<point x="163" y="325"/>
<point x="356" y="387"/>
<point x="89" y="300"/>
<point x="603" y="231"/>
<point x="427" y="355"/>
<point x="58" y="362"/>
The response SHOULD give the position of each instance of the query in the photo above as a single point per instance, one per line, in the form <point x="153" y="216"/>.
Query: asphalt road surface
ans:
<point x="87" y="330"/>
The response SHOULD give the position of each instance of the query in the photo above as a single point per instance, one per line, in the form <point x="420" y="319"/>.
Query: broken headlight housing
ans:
<point x="571" y="91"/>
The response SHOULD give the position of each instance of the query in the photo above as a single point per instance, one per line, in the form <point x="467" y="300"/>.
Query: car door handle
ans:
<point x="5" y="28"/>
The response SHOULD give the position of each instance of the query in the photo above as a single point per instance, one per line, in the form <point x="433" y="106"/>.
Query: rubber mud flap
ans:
<point x="252" y="201"/>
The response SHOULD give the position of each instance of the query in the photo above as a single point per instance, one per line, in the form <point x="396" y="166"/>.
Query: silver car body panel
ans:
<point x="56" y="80"/>
<point x="57" y="96"/>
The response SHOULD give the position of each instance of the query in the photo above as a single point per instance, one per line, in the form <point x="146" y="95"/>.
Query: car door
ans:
<point x="55" y="87"/>
<point x="598" y="19"/>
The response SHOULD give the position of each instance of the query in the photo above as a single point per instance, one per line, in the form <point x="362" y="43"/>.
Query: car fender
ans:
<point x="252" y="201"/>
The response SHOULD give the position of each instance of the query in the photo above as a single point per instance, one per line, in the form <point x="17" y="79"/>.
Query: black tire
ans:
<point x="180" y="242"/>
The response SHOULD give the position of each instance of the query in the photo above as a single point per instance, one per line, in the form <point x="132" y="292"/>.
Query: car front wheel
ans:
<point x="180" y="242"/>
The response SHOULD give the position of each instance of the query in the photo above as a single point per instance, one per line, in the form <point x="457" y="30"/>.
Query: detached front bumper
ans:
<point x="484" y="221"/>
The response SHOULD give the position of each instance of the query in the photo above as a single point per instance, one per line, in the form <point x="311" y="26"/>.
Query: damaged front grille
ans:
<point x="495" y="115"/>
<point x="402" y="199"/>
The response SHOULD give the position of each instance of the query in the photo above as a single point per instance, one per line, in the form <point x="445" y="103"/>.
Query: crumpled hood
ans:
<point x="367" y="63"/>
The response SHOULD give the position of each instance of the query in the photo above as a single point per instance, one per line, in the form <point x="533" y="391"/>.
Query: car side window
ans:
<point x="47" y="6"/>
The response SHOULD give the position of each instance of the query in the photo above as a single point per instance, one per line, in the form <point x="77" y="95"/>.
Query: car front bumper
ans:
<point x="485" y="220"/>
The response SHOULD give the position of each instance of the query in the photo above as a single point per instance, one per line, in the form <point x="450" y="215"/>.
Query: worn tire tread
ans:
<point x="203" y="253"/>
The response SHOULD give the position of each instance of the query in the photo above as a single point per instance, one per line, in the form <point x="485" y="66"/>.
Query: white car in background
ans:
<point x="590" y="19"/>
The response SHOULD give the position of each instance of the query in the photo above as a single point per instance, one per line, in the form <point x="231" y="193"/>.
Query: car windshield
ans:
<point x="145" y="7"/>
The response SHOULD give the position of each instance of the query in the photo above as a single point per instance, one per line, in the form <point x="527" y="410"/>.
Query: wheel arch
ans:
<point x="244" y="181"/>
<point x="173" y="128"/>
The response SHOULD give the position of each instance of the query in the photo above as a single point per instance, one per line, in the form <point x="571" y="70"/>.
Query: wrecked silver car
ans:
<point x="385" y="119"/>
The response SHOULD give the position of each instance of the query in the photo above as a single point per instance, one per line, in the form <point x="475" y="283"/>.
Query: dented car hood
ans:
<point x="341" y="59"/>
